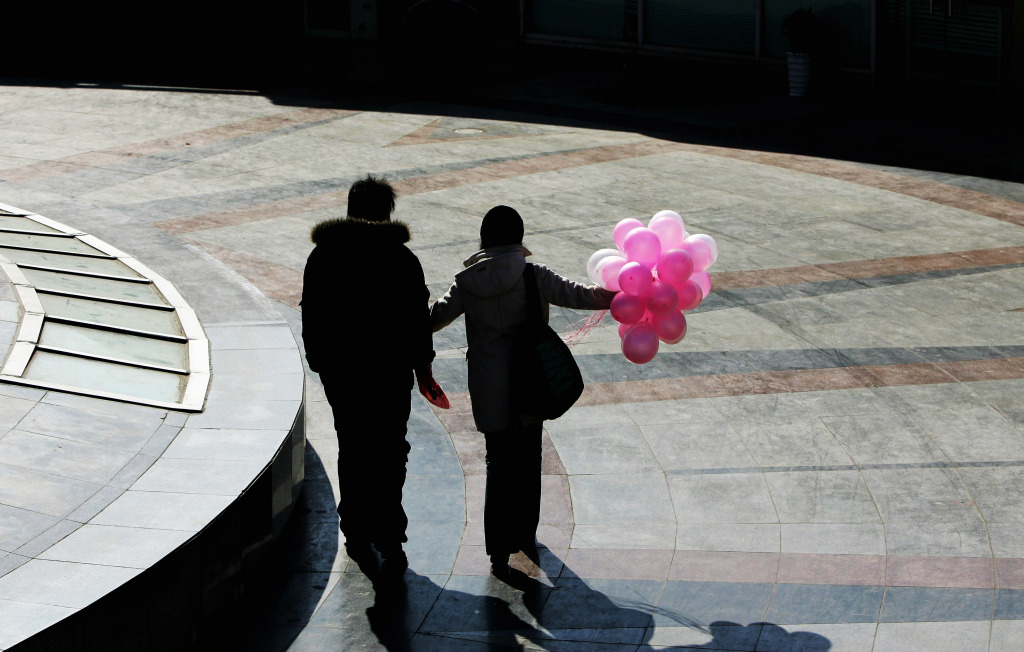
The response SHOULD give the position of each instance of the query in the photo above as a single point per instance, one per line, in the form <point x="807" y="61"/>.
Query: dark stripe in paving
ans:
<point x="184" y="215"/>
<point x="800" y="380"/>
<point x="997" y="208"/>
<point x="118" y="156"/>
<point x="90" y="179"/>
<point x="846" y="467"/>
<point x="861" y="270"/>
<point x="604" y="368"/>
<point x="278" y="282"/>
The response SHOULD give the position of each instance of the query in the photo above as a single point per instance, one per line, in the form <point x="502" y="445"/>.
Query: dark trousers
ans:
<point x="370" y="417"/>
<point x="512" y="497"/>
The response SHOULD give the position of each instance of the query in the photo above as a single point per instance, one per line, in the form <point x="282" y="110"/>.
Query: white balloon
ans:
<point x="597" y="257"/>
<point x="669" y="214"/>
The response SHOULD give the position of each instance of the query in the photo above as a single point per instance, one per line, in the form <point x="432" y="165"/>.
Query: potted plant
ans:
<point x="801" y="28"/>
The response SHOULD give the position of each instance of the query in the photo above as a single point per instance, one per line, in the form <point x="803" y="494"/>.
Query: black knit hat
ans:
<point x="501" y="226"/>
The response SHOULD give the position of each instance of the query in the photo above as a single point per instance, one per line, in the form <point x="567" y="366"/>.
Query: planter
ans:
<point x="799" y="65"/>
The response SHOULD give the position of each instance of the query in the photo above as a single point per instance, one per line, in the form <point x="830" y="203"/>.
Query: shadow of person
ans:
<point x="417" y="613"/>
<point x="767" y="636"/>
<point x="629" y="612"/>
<point x="472" y="612"/>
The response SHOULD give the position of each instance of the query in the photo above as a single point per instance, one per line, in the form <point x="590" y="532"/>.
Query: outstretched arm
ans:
<point x="560" y="291"/>
<point x="446" y="309"/>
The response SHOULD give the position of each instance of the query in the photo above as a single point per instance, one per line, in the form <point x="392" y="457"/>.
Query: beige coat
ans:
<point x="491" y="293"/>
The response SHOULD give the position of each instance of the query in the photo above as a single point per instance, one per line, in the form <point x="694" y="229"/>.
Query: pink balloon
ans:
<point x="690" y="294"/>
<point x="640" y="343"/>
<point x="662" y="298"/>
<point x="643" y="246"/>
<point x="670" y="327"/>
<point x="607" y="272"/>
<point x="703" y="280"/>
<point x="627" y="309"/>
<point x="623" y="328"/>
<point x="702" y="249"/>
<point x="635" y="279"/>
<point x="669" y="228"/>
<point x="675" y="266"/>
<point x="596" y="258"/>
<point x="623" y="228"/>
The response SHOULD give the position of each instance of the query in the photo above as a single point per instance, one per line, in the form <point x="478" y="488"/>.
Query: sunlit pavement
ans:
<point x="830" y="460"/>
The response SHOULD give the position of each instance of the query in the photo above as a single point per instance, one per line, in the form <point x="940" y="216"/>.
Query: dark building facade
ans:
<point x="931" y="45"/>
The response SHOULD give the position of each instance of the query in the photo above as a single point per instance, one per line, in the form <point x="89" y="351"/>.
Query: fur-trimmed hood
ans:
<point x="342" y="231"/>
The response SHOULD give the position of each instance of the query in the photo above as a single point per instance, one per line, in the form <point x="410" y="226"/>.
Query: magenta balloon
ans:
<point x="690" y="294"/>
<point x="670" y="327"/>
<point x="643" y="246"/>
<point x="607" y="272"/>
<point x="623" y="328"/>
<point x="703" y="280"/>
<point x="662" y="298"/>
<point x="669" y="229"/>
<point x="675" y="266"/>
<point x="640" y="343"/>
<point x="623" y="228"/>
<point x="635" y="279"/>
<point x="627" y="309"/>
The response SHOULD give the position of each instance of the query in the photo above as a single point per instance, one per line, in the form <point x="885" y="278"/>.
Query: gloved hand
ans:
<point x="430" y="389"/>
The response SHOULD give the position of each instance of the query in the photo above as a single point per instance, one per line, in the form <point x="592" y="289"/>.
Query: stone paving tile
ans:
<point x="911" y="604"/>
<point x="621" y="499"/>
<point x="166" y="511"/>
<point x="833" y="538"/>
<point x="63" y="584"/>
<point x="18" y="526"/>
<point x="55" y="456"/>
<point x="809" y="603"/>
<point x="850" y="570"/>
<point x="940" y="637"/>
<point x="706" y="566"/>
<point x="725" y="498"/>
<point x="51" y="495"/>
<point x="24" y="618"/>
<point x="835" y="496"/>
<point x="604" y="450"/>
<point x="728" y="537"/>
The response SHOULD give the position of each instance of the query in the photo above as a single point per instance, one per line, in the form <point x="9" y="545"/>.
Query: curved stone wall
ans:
<point x="149" y="518"/>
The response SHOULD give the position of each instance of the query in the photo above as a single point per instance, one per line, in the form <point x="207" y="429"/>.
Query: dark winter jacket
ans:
<point x="492" y="294"/>
<point x="364" y="301"/>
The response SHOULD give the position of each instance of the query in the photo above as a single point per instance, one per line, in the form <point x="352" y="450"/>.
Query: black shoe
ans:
<point x="500" y="567"/>
<point x="394" y="564"/>
<point x="364" y="556"/>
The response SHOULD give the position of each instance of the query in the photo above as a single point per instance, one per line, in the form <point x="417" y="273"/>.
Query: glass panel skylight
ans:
<point x="94" y="287"/>
<point x="111" y="314"/>
<point x="109" y="266"/>
<point x="130" y="348"/>
<point x="100" y="376"/>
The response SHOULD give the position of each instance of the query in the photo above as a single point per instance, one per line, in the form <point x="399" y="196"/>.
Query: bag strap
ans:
<point x="532" y="295"/>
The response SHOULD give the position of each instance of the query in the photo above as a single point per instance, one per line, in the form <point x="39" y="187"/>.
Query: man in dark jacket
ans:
<point x="366" y="330"/>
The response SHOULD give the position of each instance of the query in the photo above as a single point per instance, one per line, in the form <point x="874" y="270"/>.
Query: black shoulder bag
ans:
<point x="544" y="378"/>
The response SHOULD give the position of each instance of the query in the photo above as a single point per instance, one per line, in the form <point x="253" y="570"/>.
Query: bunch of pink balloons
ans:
<point x="659" y="271"/>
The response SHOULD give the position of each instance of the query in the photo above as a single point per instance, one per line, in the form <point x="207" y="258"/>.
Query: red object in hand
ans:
<point x="433" y="393"/>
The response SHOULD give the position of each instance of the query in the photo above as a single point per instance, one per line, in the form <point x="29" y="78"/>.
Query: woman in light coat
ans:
<point x="492" y="294"/>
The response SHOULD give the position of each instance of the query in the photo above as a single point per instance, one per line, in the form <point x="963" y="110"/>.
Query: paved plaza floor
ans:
<point x="832" y="458"/>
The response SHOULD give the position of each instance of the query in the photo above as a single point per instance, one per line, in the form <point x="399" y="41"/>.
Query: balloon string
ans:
<point x="582" y="327"/>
